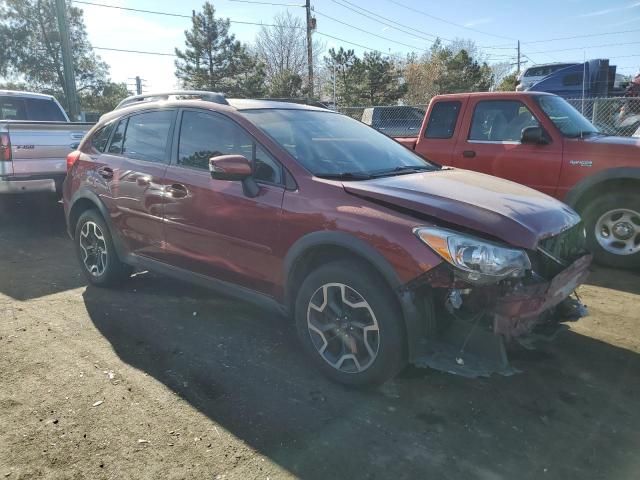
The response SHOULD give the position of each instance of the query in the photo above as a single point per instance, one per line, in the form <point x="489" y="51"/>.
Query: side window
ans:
<point x="442" y="120"/>
<point x="500" y="121"/>
<point x="147" y="136"/>
<point x="572" y="80"/>
<point x="100" y="138"/>
<point x="116" y="142"/>
<point x="204" y="135"/>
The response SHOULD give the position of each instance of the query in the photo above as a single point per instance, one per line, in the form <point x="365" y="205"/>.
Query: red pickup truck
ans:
<point x="541" y="141"/>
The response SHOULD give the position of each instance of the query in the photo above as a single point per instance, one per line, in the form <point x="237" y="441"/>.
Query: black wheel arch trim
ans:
<point x="576" y="194"/>
<point x="361" y="249"/>
<point x="86" y="194"/>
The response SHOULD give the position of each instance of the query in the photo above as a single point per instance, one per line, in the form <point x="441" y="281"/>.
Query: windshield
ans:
<point x="330" y="144"/>
<point x="568" y="120"/>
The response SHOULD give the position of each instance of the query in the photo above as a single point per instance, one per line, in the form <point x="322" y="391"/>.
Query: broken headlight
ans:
<point x="479" y="260"/>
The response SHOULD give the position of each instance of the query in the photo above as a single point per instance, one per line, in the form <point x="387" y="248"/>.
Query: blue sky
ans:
<point x="495" y="25"/>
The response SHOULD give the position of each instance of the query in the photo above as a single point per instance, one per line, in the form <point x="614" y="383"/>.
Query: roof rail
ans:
<point x="150" y="97"/>
<point x="299" y="100"/>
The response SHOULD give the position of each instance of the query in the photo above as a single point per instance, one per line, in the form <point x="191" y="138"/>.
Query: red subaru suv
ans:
<point x="380" y="256"/>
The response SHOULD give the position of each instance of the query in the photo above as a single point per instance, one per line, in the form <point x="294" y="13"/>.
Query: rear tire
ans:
<point x="350" y="324"/>
<point x="95" y="250"/>
<point x="612" y="224"/>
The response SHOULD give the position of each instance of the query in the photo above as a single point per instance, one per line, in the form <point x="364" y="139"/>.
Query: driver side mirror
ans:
<point x="534" y="136"/>
<point x="234" y="168"/>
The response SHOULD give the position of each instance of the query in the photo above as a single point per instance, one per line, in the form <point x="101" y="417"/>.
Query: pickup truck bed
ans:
<point x="35" y="138"/>
<point x="38" y="150"/>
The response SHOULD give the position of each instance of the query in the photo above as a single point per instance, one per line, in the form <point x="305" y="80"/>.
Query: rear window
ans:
<point x="442" y="121"/>
<point x="34" y="109"/>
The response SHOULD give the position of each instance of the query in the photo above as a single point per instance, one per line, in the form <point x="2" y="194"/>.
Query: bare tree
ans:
<point x="283" y="50"/>
<point x="500" y="71"/>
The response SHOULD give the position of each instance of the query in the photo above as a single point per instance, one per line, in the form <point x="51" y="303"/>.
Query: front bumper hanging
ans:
<point x="474" y="345"/>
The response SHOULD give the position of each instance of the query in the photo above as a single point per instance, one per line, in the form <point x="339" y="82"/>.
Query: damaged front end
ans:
<point x="468" y="320"/>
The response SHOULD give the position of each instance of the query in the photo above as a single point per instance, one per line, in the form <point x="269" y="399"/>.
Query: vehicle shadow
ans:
<point x="33" y="240"/>
<point x="571" y="414"/>
<point x="615" y="279"/>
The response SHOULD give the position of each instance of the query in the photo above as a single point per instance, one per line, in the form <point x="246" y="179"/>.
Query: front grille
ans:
<point x="566" y="247"/>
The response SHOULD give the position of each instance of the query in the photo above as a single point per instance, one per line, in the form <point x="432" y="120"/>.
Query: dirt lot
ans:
<point x="195" y="386"/>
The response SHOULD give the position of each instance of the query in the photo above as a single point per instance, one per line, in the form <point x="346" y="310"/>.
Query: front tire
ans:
<point x="612" y="224"/>
<point x="96" y="252"/>
<point x="349" y="323"/>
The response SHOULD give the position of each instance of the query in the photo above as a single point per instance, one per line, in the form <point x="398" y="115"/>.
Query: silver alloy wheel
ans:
<point x="618" y="231"/>
<point x="343" y="328"/>
<point x="94" y="248"/>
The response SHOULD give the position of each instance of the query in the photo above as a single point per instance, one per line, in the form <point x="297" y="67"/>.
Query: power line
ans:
<point x="582" y="36"/>
<point x="163" y="54"/>
<point x="169" y="14"/>
<point x="447" y="21"/>
<point x="154" y="12"/>
<point x="367" y="32"/>
<point x="530" y="42"/>
<point x="586" y="47"/>
<point x="136" y="51"/>
<point x="390" y="23"/>
<point x="357" y="45"/>
<point x="268" y="3"/>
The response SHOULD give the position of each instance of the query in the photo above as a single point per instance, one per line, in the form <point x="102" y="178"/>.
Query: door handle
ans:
<point x="106" y="172"/>
<point x="143" y="181"/>
<point x="177" y="190"/>
<point x="468" y="154"/>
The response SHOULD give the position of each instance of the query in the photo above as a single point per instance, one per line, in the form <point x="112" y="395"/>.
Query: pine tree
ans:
<point x="214" y="60"/>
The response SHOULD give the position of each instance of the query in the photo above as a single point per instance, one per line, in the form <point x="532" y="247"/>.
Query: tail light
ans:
<point x="72" y="158"/>
<point x="5" y="147"/>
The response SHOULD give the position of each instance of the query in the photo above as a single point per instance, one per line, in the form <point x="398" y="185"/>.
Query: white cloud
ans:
<point x="606" y="11"/>
<point x="113" y="28"/>
<point x="624" y="22"/>
<point x="478" y="21"/>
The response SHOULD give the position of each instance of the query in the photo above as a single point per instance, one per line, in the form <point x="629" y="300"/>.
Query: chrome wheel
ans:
<point x="618" y="231"/>
<point x="93" y="248"/>
<point x="343" y="328"/>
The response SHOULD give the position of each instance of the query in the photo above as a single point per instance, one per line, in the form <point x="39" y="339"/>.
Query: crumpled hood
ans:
<point x="518" y="215"/>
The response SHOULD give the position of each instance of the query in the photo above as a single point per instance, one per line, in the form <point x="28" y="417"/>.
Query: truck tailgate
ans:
<point x="41" y="147"/>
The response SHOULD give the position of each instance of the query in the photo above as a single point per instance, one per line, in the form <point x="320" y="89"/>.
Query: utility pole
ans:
<point x="138" y="85"/>
<point x="67" y="62"/>
<point x="335" y="99"/>
<point x="518" y="57"/>
<point x="310" y="27"/>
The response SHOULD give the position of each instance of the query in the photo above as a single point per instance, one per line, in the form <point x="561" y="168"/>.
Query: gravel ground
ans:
<point x="159" y="379"/>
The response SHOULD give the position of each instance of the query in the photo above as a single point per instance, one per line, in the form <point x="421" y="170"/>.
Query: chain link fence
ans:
<point x="395" y="121"/>
<point x="613" y="116"/>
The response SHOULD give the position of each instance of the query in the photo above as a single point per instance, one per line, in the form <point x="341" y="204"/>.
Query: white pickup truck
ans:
<point x="35" y="138"/>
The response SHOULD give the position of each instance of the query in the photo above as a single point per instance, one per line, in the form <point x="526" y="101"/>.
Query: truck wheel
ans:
<point x="612" y="223"/>
<point x="95" y="250"/>
<point x="349" y="323"/>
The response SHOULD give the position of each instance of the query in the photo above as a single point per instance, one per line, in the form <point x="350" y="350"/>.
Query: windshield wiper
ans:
<point x="402" y="169"/>
<point x="344" y="176"/>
